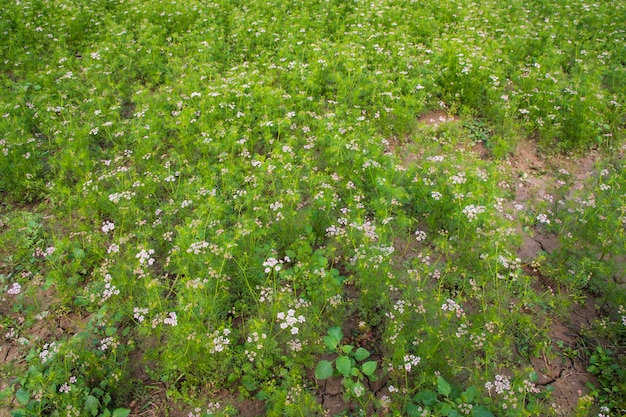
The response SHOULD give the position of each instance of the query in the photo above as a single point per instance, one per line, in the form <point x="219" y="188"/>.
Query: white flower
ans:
<point x="15" y="289"/>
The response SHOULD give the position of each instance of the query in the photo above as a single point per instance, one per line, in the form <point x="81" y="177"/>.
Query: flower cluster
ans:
<point x="256" y="340"/>
<point x="420" y="235"/>
<point x="452" y="306"/>
<point x="171" y="319"/>
<point x="108" y="342"/>
<point x="48" y="352"/>
<point x="145" y="257"/>
<point x="109" y="289"/>
<point x="290" y="320"/>
<point x="410" y="361"/>
<point x="472" y="212"/>
<point x="108" y="226"/>
<point x="500" y="384"/>
<point x="219" y="342"/>
<point x="67" y="386"/>
<point x="139" y="314"/>
<point x="273" y="264"/>
<point x="39" y="253"/>
<point x="15" y="289"/>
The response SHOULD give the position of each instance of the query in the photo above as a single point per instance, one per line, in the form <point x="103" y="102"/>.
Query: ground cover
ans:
<point x="312" y="208"/>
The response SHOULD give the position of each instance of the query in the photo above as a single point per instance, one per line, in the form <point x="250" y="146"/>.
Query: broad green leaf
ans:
<point x="347" y="349"/>
<point x="413" y="410"/>
<point x="336" y="332"/>
<point x="331" y="342"/>
<point x="91" y="405"/>
<point x="344" y="365"/>
<point x="22" y="396"/>
<point x="361" y="354"/>
<point x="481" y="411"/>
<point x="348" y="384"/>
<point x="121" y="412"/>
<point x="369" y="367"/>
<point x="18" y="412"/>
<point x="78" y="253"/>
<point x="426" y="397"/>
<point x="446" y="409"/>
<point x="249" y="383"/>
<point x="469" y="394"/>
<point x="323" y="370"/>
<point x="443" y="387"/>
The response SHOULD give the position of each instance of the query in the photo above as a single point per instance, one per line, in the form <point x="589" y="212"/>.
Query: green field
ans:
<point x="312" y="208"/>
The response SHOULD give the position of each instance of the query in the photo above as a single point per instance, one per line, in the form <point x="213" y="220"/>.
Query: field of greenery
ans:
<point x="301" y="208"/>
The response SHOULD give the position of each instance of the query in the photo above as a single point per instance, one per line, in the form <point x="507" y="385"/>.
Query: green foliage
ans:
<point x="210" y="184"/>
<point x="447" y="402"/>
<point x="348" y="364"/>
<point x="611" y="375"/>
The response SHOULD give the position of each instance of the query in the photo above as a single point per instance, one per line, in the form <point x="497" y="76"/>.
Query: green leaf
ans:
<point x="358" y="389"/>
<point x="336" y="332"/>
<point x="347" y="349"/>
<point x="323" y="370"/>
<point x="469" y="394"/>
<point x="344" y="365"/>
<point x="78" y="253"/>
<point x="369" y="367"/>
<point x="6" y="392"/>
<point x="22" y="396"/>
<point x="91" y="405"/>
<point x="443" y="387"/>
<point x="481" y="411"/>
<point x="121" y="412"/>
<point x="331" y="342"/>
<point x="249" y="383"/>
<point x="361" y="354"/>
<point x="18" y="412"/>
<point x="426" y="397"/>
<point x="413" y="410"/>
<point x="446" y="409"/>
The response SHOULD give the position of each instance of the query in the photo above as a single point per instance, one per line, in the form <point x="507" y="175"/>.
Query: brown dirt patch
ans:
<point x="535" y="242"/>
<point x="436" y="117"/>
<point x="481" y="150"/>
<point x="564" y="367"/>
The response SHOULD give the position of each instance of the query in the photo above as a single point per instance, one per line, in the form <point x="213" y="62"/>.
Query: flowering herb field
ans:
<point x="312" y="208"/>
